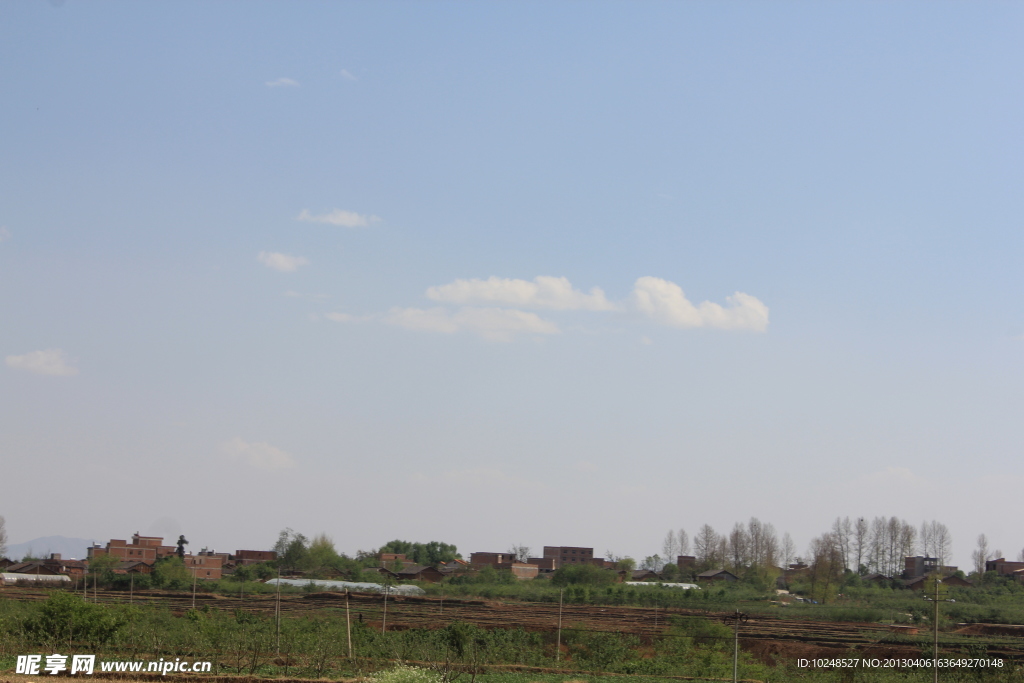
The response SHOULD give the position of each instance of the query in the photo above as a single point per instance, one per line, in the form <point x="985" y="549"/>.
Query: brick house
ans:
<point x="568" y="555"/>
<point x="1002" y="567"/>
<point x="243" y="557"/>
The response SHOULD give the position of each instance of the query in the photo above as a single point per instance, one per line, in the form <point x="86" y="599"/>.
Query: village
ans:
<point x="142" y="553"/>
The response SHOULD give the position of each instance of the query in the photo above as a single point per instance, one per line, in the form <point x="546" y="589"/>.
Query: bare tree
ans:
<point x="3" y="537"/>
<point x="683" y="540"/>
<point x="520" y="552"/>
<point x="788" y="550"/>
<point x="908" y="542"/>
<point x="738" y="542"/>
<point x="981" y="555"/>
<point x="927" y="538"/>
<point x="670" y="547"/>
<point x="769" y="546"/>
<point x="860" y="541"/>
<point x="935" y="540"/>
<point x="842" y="529"/>
<point x="943" y="542"/>
<point x="705" y="546"/>
<point x="826" y="566"/>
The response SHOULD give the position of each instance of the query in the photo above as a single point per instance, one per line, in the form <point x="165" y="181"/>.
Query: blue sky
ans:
<point x="268" y="265"/>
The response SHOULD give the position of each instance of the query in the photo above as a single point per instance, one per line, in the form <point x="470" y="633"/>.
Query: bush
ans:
<point x="66" y="618"/>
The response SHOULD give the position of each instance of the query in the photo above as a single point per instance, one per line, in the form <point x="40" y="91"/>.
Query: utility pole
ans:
<point x="558" y="642"/>
<point x="348" y="625"/>
<point x="195" y="577"/>
<point x="131" y="589"/>
<point x="935" y="646"/>
<point x="736" y="649"/>
<point x="384" y="619"/>
<point x="278" y="611"/>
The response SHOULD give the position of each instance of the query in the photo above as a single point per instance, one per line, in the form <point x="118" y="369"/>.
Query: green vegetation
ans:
<point x="245" y="643"/>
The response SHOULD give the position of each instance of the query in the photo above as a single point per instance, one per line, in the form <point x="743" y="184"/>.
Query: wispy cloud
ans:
<point x="260" y="455"/>
<point x="345" y="219"/>
<point x="554" y="293"/>
<point x="348" y="75"/>
<point x="282" y="263"/>
<point x="493" y="324"/>
<point x="51" y="362"/>
<point x="664" y="302"/>
<point x="659" y="300"/>
<point x="5" y="234"/>
<point x="282" y="83"/>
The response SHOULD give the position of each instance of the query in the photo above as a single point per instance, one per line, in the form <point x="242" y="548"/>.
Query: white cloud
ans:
<point x="665" y="302"/>
<point x="341" y="317"/>
<point x="555" y="293"/>
<point x="47" y="362"/>
<point x="5" y="234"/>
<point x="283" y="83"/>
<point x="281" y="262"/>
<point x="261" y="455"/>
<point x="494" y="324"/>
<point x="347" y="75"/>
<point x="346" y="219"/>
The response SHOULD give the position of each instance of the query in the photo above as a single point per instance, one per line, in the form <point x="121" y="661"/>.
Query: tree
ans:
<point x="321" y="556"/>
<point x="652" y="563"/>
<point x="936" y="541"/>
<point x="520" y="552"/>
<point x="826" y="566"/>
<point x="292" y="550"/>
<point x="943" y="543"/>
<point x="737" y="554"/>
<point x="788" y="550"/>
<point x="582" y="574"/>
<point x="171" y="572"/>
<point x="705" y="546"/>
<point x="843" y="531"/>
<point x="626" y="564"/>
<point x="860" y="543"/>
<point x="981" y="555"/>
<point x="683" y="540"/>
<point x="430" y="554"/>
<point x="3" y="537"/>
<point x="670" y="547"/>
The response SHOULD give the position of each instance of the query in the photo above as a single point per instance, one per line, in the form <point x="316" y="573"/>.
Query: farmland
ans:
<point x="767" y="637"/>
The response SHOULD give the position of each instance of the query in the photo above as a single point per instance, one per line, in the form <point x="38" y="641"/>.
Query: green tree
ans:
<point x="431" y="553"/>
<point x="101" y="568"/>
<point x="292" y="550"/>
<point x="626" y="564"/>
<point x="321" y="557"/>
<point x="582" y="575"/>
<point x="171" y="572"/>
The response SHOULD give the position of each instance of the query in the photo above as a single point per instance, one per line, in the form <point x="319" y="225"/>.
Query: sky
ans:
<point x="541" y="273"/>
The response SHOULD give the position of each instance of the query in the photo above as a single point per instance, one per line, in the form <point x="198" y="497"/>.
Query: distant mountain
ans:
<point x="42" y="547"/>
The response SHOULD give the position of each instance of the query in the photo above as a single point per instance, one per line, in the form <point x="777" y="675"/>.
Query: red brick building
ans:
<point x="242" y="557"/>
<point x="1003" y="567"/>
<point x="567" y="554"/>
